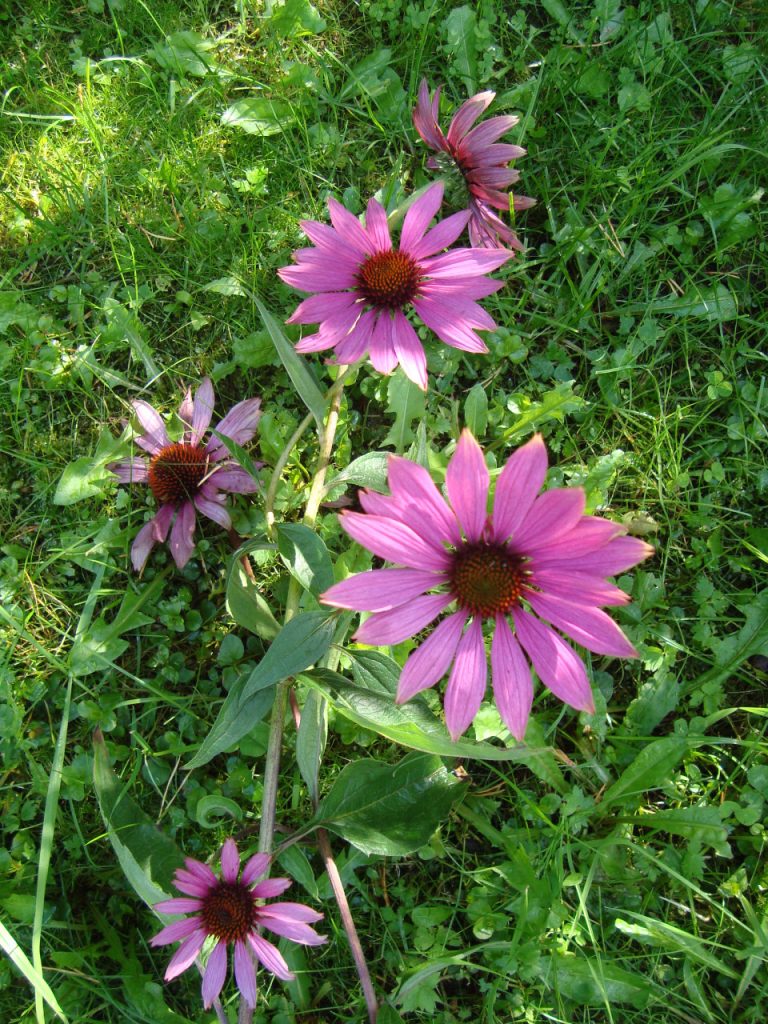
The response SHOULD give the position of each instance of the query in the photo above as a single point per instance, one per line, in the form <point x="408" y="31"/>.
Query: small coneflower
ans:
<point x="478" y="160"/>
<point x="365" y="286"/>
<point x="187" y="476"/>
<point x="532" y="569"/>
<point x="230" y="911"/>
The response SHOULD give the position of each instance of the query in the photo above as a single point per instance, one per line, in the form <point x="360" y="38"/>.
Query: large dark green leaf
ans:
<point x="594" y="982"/>
<point x="299" y="644"/>
<point x="246" y="605"/>
<point x="389" y="809"/>
<point x="369" y="470"/>
<point x="146" y="854"/>
<point x="310" y="741"/>
<point x="650" y="769"/>
<point x="305" y="556"/>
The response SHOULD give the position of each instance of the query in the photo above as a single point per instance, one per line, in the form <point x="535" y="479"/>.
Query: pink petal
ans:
<point x="185" y="955"/>
<point x="409" y="351"/>
<point x="190" y="885"/>
<point x="142" y="545"/>
<point x="230" y="861"/>
<point x="466" y="480"/>
<point x="202" y="411"/>
<point x="235" y="480"/>
<point x="518" y="484"/>
<point x="418" y="217"/>
<point x="458" y="335"/>
<point x="349" y="227"/>
<point x="466" y="116"/>
<point x="176" y="932"/>
<point x="381" y="346"/>
<point x="329" y="240"/>
<point x="550" y="516"/>
<point x="425" y="118"/>
<point x="486" y="133"/>
<point x="320" y="307"/>
<point x="410" y="482"/>
<point x="201" y="871"/>
<point x="256" y="866"/>
<point x="214" y="974"/>
<point x="393" y="541"/>
<point x="130" y="471"/>
<point x="377" y="227"/>
<point x="271" y="887"/>
<point x="397" y="624"/>
<point x="466" y="685"/>
<point x="179" y="905"/>
<point x="296" y="912"/>
<point x="186" y="409"/>
<point x="270" y="957"/>
<point x="443" y="234"/>
<point x="556" y="664"/>
<point x="213" y="510"/>
<point x="430" y="661"/>
<point x="380" y="589"/>
<point x="182" y="541"/>
<point x="155" y="436"/>
<point x="618" y="556"/>
<point x="590" y="627"/>
<point x="308" y="278"/>
<point x="580" y="588"/>
<point x="511" y="677"/>
<point x="291" y="930"/>
<point x="355" y="345"/>
<point x="245" y="974"/>
<point x="239" y="425"/>
<point x="589" y="534"/>
<point x="464" y="263"/>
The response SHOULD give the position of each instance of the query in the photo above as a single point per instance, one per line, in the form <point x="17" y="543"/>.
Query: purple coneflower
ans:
<point x="365" y="285"/>
<point x="481" y="162"/>
<point x="230" y="910"/>
<point x="187" y="475"/>
<point x="535" y="557"/>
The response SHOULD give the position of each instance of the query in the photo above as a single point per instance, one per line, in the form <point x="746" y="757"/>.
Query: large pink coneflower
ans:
<point x="533" y="558"/>
<point x="365" y="285"/>
<point x="187" y="476"/>
<point x="230" y="911"/>
<point x="479" y="160"/>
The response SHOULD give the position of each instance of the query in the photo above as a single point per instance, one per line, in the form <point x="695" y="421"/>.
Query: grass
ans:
<point x="632" y="336"/>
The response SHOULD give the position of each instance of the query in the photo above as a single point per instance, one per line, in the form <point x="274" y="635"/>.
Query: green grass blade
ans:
<point x="17" y="956"/>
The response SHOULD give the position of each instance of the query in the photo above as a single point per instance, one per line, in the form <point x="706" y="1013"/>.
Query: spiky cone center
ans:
<point x="389" y="280"/>
<point x="486" y="579"/>
<point x="176" y="472"/>
<point x="229" y="912"/>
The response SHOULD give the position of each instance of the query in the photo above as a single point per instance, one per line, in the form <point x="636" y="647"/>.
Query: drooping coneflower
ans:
<point x="531" y="569"/>
<point x="479" y="160"/>
<point x="365" y="286"/>
<point x="186" y="476"/>
<point x="230" y="911"/>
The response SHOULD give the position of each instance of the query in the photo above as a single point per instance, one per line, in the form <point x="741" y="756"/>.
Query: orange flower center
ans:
<point x="486" y="579"/>
<point x="229" y="912"/>
<point x="177" y="471"/>
<point x="389" y="279"/>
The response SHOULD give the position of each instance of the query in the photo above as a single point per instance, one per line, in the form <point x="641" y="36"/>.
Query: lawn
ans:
<point x="158" y="159"/>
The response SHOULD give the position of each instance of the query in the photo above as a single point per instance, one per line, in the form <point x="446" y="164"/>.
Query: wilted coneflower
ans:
<point x="533" y="558"/>
<point x="481" y="162"/>
<point x="187" y="475"/>
<point x="229" y="910"/>
<point x="365" y="286"/>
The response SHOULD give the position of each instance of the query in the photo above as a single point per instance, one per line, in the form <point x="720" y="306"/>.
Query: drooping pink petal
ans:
<point x="393" y="541"/>
<point x="230" y="861"/>
<point x="467" y="682"/>
<point x="419" y="216"/>
<point x="270" y="957"/>
<point x="214" y="510"/>
<point x="182" y="542"/>
<point x="430" y="661"/>
<point x="377" y="590"/>
<point x="590" y="627"/>
<point x="202" y="411"/>
<point x="409" y="351"/>
<point x="245" y="974"/>
<point x="256" y="866"/>
<point x="557" y="665"/>
<point x="517" y="486"/>
<point x="511" y="678"/>
<point x="186" y="409"/>
<point x="550" y="516"/>
<point x="467" y="480"/>
<point x="185" y="955"/>
<point x="376" y="226"/>
<point x="152" y="533"/>
<point x="214" y="974"/>
<point x="466" y="116"/>
<point x="425" y="118"/>
<point x="355" y="345"/>
<point x="381" y="346"/>
<point x="130" y="471"/>
<point x="175" y="932"/>
<point x="397" y="624"/>
<point x="410" y="482"/>
<point x="239" y="425"/>
<point x="271" y="887"/>
<point x="155" y="436"/>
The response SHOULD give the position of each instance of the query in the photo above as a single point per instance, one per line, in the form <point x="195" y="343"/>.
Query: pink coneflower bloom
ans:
<point x="534" y="563"/>
<point x="230" y="911"/>
<point x="365" y="285"/>
<point x="480" y="161"/>
<point x="187" y="475"/>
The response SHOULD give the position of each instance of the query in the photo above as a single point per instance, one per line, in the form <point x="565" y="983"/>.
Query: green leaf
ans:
<point x="476" y="410"/>
<point x="310" y="742"/>
<point x="667" y="936"/>
<point x="246" y="605"/>
<point x="297" y="369"/>
<point x="259" y="116"/>
<point x="15" y="312"/>
<point x="299" y="644"/>
<point x="733" y="651"/>
<point x="715" y="303"/>
<point x="461" y="42"/>
<point x="367" y="76"/>
<point x="554" y="405"/>
<point x="295" y="18"/>
<point x="369" y="470"/>
<point x="655" y="700"/>
<point x="407" y="402"/>
<point x="185" y="53"/>
<point x="387" y="809"/>
<point x="88" y="476"/>
<point x="122" y="325"/>
<point x="702" y="824"/>
<point x="146" y="854"/>
<point x="651" y="768"/>
<point x="305" y="556"/>
<point x="593" y="982"/>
